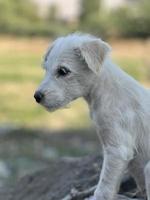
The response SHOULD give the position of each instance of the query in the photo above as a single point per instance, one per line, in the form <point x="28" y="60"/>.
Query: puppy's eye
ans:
<point x="63" y="71"/>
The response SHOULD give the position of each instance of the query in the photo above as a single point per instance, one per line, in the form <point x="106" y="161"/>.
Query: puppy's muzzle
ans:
<point x="38" y="96"/>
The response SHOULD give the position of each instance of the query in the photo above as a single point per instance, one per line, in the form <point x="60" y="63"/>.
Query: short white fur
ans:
<point x="119" y="107"/>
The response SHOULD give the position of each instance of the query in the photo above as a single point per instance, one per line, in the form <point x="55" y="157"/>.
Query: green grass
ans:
<point x="20" y="74"/>
<point x="20" y="67"/>
<point x="135" y="67"/>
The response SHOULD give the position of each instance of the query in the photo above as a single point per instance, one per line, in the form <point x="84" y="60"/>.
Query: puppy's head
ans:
<point x="71" y="65"/>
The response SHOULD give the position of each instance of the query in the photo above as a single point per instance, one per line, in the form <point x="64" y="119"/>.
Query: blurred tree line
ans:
<point x="20" y="17"/>
<point x="126" y="21"/>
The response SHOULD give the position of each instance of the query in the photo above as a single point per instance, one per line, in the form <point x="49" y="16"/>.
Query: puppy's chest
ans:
<point x="100" y="118"/>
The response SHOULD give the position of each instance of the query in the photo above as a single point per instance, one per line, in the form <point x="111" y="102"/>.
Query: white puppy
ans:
<point x="79" y="65"/>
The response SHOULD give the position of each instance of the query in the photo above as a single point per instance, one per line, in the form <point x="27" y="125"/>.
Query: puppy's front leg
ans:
<point x="114" y="164"/>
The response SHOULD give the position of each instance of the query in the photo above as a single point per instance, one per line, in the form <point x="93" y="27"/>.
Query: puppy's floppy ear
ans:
<point x="48" y="52"/>
<point x="94" y="53"/>
<point x="45" y="57"/>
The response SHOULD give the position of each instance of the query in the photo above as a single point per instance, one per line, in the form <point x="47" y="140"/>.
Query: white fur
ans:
<point x="119" y="107"/>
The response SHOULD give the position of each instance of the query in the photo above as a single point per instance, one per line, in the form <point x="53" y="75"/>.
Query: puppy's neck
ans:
<point x="102" y="83"/>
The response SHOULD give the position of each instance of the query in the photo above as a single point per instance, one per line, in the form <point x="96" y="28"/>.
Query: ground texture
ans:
<point x="65" y="180"/>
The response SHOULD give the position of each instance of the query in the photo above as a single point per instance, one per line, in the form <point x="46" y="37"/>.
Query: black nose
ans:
<point x="38" y="96"/>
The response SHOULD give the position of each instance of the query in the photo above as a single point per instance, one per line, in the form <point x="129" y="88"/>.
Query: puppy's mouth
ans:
<point x="54" y="107"/>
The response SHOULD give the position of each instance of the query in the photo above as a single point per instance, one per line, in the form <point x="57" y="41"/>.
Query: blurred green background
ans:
<point x="26" y="29"/>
